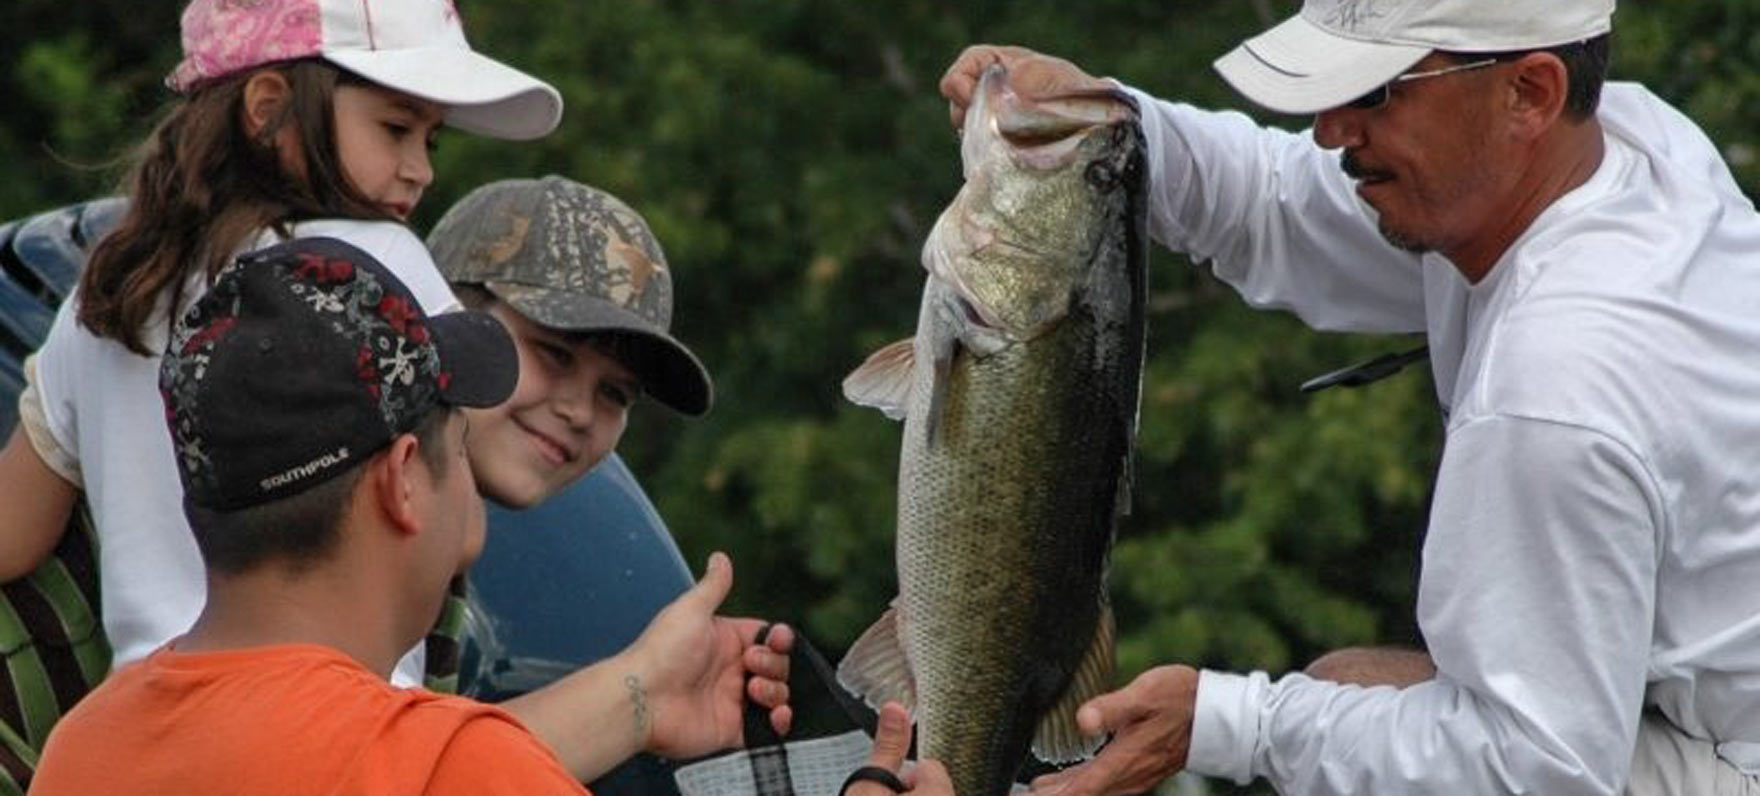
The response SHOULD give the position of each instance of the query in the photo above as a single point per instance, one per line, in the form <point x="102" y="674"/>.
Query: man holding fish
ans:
<point x="1583" y="265"/>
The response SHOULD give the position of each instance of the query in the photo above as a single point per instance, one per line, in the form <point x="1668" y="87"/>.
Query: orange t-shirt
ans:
<point x="289" y="719"/>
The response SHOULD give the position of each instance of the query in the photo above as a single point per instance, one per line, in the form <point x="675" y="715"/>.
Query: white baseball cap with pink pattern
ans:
<point x="413" y="46"/>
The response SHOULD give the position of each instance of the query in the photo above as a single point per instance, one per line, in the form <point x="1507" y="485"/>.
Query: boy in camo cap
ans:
<point x="580" y="282"/>
<point x="584" y="291"/>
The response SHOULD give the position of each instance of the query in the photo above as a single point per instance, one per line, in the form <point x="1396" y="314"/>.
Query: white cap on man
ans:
<point x="1334" y="51"/>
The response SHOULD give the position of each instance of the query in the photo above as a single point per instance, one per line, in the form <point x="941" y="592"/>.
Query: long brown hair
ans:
<point x="201" y="186"/>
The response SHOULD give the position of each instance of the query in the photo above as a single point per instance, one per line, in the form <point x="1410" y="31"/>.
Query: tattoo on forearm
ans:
<point x="638" y="700"/>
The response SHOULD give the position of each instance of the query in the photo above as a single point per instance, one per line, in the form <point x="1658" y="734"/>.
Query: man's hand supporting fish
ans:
<point x="1151" y="725"/>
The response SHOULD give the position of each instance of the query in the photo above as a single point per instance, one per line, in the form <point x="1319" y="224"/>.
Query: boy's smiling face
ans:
<point x="567" y="414"/>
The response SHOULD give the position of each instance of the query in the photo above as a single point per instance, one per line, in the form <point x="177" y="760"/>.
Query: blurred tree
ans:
<point x="791" y="155"/>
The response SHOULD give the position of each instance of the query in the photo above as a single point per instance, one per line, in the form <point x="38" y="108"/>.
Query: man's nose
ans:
<point x="1339" y="127"/>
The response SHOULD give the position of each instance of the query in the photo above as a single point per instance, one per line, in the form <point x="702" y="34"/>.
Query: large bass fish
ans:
<point x="1019" y="395"/>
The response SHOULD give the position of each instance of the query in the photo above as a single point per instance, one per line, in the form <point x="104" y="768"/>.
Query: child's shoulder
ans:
<point x="395" y="245"/>
<point x="373" y="237"/>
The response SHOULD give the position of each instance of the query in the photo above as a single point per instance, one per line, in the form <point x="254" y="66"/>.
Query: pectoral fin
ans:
<point x="1058" y="739"/>
<point x="876" y="668"/>
<point x="884" y="380"/>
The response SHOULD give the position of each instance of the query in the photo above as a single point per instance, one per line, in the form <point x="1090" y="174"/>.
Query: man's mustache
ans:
<point x="1355" y="169"/>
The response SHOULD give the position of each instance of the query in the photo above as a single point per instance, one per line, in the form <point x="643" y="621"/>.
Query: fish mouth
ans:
<point x="973" y="314"/>
<point x="1045" y="131"/>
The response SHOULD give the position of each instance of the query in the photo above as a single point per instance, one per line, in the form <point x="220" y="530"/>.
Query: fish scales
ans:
<point x="1020" y="414"/>
<point x="1002" y="545"/>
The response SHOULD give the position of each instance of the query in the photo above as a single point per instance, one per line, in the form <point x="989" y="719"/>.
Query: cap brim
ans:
<point x="1298" y="68"/>
<point x="478" y="356"/>
<point x="668" y="370"/>
<point x="481" y="95"/>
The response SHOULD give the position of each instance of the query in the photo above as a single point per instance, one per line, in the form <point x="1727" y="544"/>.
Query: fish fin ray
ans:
<point x="1058" y="739"/>
<point x="1127" y="477"/>
<point x="884" y="380"/>
<point x="876" y="668"/>
<point x="941" y="345"/>
<point x="938" y="387"/>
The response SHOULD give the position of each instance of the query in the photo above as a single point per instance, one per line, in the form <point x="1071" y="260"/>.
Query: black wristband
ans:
<point x="873" y="774"/>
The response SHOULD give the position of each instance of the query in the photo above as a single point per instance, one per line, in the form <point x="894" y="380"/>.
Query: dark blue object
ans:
<point x="40" y="258"/>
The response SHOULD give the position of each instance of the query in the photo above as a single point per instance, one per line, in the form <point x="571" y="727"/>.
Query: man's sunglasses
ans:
<point x="1378" y="96"/>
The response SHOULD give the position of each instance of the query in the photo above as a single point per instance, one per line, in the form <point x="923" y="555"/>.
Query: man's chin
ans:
<point x="1394" y="236"/>
<point x="1403" y="241"/>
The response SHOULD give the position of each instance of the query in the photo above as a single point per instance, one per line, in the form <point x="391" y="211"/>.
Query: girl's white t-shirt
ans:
<point x="101" y="405"/>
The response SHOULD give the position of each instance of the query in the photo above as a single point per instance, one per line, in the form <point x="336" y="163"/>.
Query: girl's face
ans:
<point x="565" y="416"/>
<point x="383" y="138"/>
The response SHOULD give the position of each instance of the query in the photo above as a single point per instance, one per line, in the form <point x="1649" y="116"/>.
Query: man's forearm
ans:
<point x="1369" y="666"/>
<point x="592" y="719"/>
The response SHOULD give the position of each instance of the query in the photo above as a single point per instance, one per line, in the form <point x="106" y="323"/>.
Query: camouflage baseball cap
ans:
<point x="574" y="258"/>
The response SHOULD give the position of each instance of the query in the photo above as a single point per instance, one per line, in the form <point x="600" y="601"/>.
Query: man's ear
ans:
<point x="1539" y="84"/>
<point x="266" y="97"/>
<point x="393" y="475"/>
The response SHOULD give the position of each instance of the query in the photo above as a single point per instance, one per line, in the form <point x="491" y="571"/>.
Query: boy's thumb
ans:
<point x="716" y="583"/>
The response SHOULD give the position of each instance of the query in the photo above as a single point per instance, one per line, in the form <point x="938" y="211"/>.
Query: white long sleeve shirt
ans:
<point x="1594" y="542"/>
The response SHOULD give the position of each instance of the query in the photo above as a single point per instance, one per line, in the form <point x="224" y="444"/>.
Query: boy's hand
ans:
<point x="700" y="668"/>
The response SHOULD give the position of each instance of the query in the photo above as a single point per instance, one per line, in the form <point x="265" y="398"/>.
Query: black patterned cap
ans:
<point x="576" y="259"/>
<point x="305" y="359"/>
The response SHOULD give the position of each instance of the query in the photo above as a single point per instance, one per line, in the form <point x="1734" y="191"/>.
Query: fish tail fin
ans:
<point x="1058" y="739"/>
<point x="876" y="667"/>
<point x="884" y="380"/>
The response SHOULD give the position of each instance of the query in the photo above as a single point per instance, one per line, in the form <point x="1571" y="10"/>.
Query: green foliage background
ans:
<point x="791" y="156"/>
